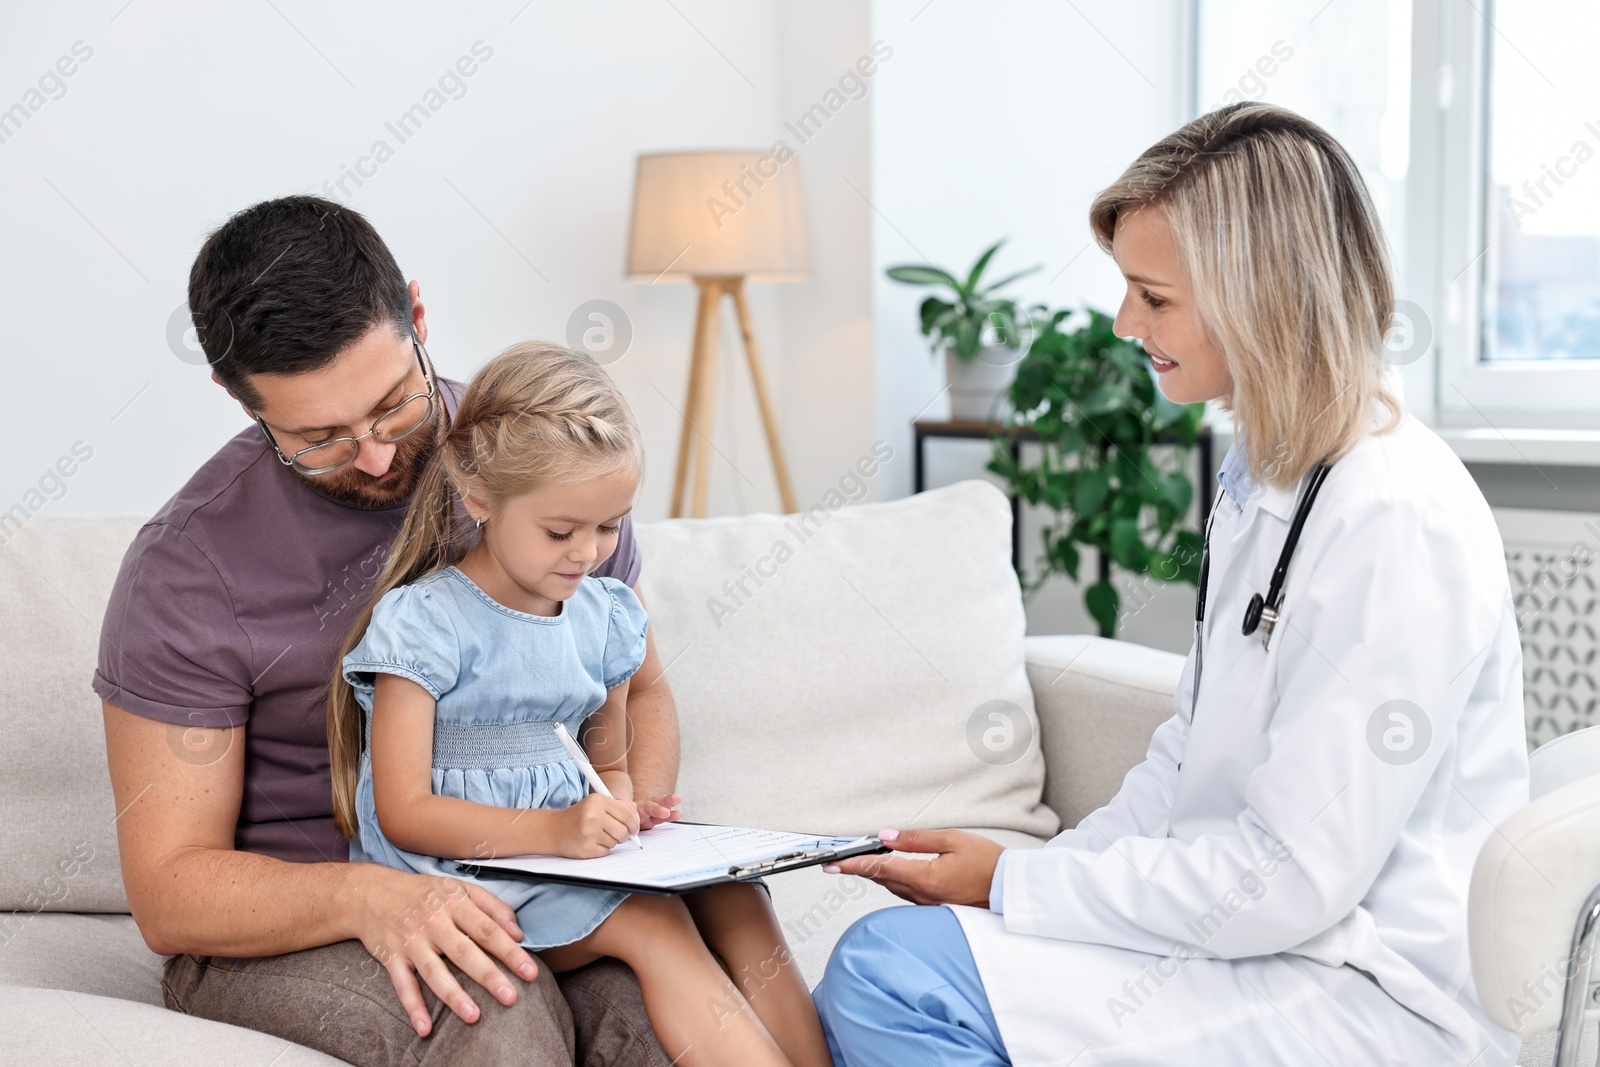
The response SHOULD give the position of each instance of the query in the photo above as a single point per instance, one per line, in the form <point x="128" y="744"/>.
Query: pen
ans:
<point x="587" y="768"/>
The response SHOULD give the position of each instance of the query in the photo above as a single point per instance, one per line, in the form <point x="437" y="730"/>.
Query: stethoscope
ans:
<point x="1261" y="613"/>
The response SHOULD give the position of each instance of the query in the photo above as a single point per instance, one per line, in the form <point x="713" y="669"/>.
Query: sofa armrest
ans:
<point x="1098" y="702"/>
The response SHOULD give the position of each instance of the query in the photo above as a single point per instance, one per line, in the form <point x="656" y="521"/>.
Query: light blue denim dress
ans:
<point x="502" y="679"/>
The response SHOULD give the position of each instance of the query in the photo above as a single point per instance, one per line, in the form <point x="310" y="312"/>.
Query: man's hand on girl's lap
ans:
<point x="658" y="810"/>
<point x="384" y="907"/>
<point x="960" y="871"/>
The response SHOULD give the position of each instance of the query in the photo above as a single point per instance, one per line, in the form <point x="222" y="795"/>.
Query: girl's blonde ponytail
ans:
<point x="429" y="539"/>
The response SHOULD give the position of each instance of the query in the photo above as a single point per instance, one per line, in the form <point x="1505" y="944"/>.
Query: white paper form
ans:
<point x="676" y="854"/>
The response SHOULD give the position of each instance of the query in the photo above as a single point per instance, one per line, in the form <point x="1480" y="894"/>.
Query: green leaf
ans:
<point x="1007" y="325"/>
<point x="1127" y="471"/>
<point x="993" y="287"/>
<point x="1071" y="439"/>
<point x="1065" y="555"/>
<point x="1161" y="566"/>
<point x="1127" y="548"/>
<point x="1058" y="491"/>
<point x="967" y="336"/>
<point x="1128" y="358"/>
<point x="1104" y="399"/>
<point x="1152" y="488"/>
<point x="922" y="274"/>
<point x="1165" y="411"/>
<point x="931" y="311"/>
<point x="1179" y="491"/>
<point x="1187" y="549"/>
<point x="983" y="262"/>
<point x="1093" y="486"/>
<point x="1189" y="425"/>
<point x="1101" y="600"/>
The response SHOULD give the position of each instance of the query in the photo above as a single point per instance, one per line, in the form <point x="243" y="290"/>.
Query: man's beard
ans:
<point x="358" y="489"/>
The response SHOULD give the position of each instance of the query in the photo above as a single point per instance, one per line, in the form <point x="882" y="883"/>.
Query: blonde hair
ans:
<point x="1290" y="273"/>
<point x="536" y="415"/>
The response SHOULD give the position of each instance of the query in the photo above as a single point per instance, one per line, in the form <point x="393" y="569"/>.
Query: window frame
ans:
<point x="1448" y="250"/>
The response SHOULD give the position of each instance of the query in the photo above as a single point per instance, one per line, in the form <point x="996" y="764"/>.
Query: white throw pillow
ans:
<point x="851" y="669"/>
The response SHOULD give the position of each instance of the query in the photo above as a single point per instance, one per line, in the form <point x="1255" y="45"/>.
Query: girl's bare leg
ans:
<point x="738" y="923"/>
<point x="700" y="1018"/>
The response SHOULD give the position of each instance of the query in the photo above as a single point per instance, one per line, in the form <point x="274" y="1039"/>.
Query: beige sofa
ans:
<point x="842" y="671"/>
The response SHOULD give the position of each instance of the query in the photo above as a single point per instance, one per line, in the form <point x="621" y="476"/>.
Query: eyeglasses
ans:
<point x="400" y="421"/>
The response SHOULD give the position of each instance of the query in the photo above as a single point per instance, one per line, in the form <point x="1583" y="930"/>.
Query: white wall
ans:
<point x="510" y="207"/>
<point x="1004" y="121"/>
<point x="826" y="334"/>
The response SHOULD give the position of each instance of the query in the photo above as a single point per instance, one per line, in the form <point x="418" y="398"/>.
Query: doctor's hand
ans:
<point x="959" y="873"/>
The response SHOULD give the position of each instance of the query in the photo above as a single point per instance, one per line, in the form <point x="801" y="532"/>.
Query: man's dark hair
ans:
<point x="282" y="287"/>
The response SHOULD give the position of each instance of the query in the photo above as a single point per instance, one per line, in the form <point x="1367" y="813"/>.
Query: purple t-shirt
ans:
<point x="229" y="610"/>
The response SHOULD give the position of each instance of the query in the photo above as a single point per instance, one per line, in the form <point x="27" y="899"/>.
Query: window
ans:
<point x="1541" y="280"/>
<point x="1346" y="66"/>
<point x="1507" y="282"/>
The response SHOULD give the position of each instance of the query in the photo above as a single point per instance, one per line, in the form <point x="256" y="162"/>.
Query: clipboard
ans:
<point x="680" y="857"/>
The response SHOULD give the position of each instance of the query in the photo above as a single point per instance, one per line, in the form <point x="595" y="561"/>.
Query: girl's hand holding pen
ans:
<point x="593" y="825"/>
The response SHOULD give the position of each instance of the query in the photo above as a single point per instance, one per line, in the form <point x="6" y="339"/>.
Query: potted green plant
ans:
<point x="1113" y="457"/>
<point x="980" y="331"/>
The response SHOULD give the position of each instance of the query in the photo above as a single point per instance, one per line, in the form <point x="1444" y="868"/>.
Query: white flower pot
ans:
<point x="977" y="388"/>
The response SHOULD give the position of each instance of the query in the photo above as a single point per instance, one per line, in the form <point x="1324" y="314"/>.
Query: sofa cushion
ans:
<point x="846" y="670"/>
<point x="52" y="1026"/>
<point x="100" y="954"/>
<point x="57" y="819"/>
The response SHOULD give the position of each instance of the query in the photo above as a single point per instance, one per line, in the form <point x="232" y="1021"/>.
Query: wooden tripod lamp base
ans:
<point x="699" y="408"/>
<point x="719" y="217"/>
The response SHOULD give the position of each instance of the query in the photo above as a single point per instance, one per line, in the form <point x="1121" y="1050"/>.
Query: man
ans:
<point x="218" y="644"/>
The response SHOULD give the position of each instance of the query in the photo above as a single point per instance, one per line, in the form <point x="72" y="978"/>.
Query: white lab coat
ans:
<point x="1168" y="927"/>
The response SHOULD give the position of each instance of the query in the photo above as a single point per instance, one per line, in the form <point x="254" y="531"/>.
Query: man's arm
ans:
<point x="653" y="717"/>
<point x="190" y="891"/>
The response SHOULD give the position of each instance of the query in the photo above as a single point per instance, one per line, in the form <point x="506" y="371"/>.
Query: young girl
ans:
<point x="441" y="717"/>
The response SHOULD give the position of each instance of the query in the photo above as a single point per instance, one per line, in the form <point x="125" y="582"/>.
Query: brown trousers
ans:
<point x="338" y="1000"/>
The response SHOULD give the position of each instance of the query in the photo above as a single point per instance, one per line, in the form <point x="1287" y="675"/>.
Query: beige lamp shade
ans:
<point x="721" y="213"/>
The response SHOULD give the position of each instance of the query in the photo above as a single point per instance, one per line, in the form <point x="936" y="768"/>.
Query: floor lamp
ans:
<point x="718" y="218"/>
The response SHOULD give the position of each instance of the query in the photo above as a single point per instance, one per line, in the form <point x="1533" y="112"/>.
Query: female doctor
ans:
<point x="1283" y="879"/>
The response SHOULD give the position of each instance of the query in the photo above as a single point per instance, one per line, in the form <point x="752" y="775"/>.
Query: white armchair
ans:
<point x="1534" y="910"/>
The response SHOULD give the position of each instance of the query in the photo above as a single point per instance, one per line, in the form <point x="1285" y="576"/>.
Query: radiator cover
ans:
<point x="1551" y="556"/>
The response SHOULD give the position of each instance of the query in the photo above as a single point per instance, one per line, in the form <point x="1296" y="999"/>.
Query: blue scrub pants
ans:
<point x="902" y="988"/>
